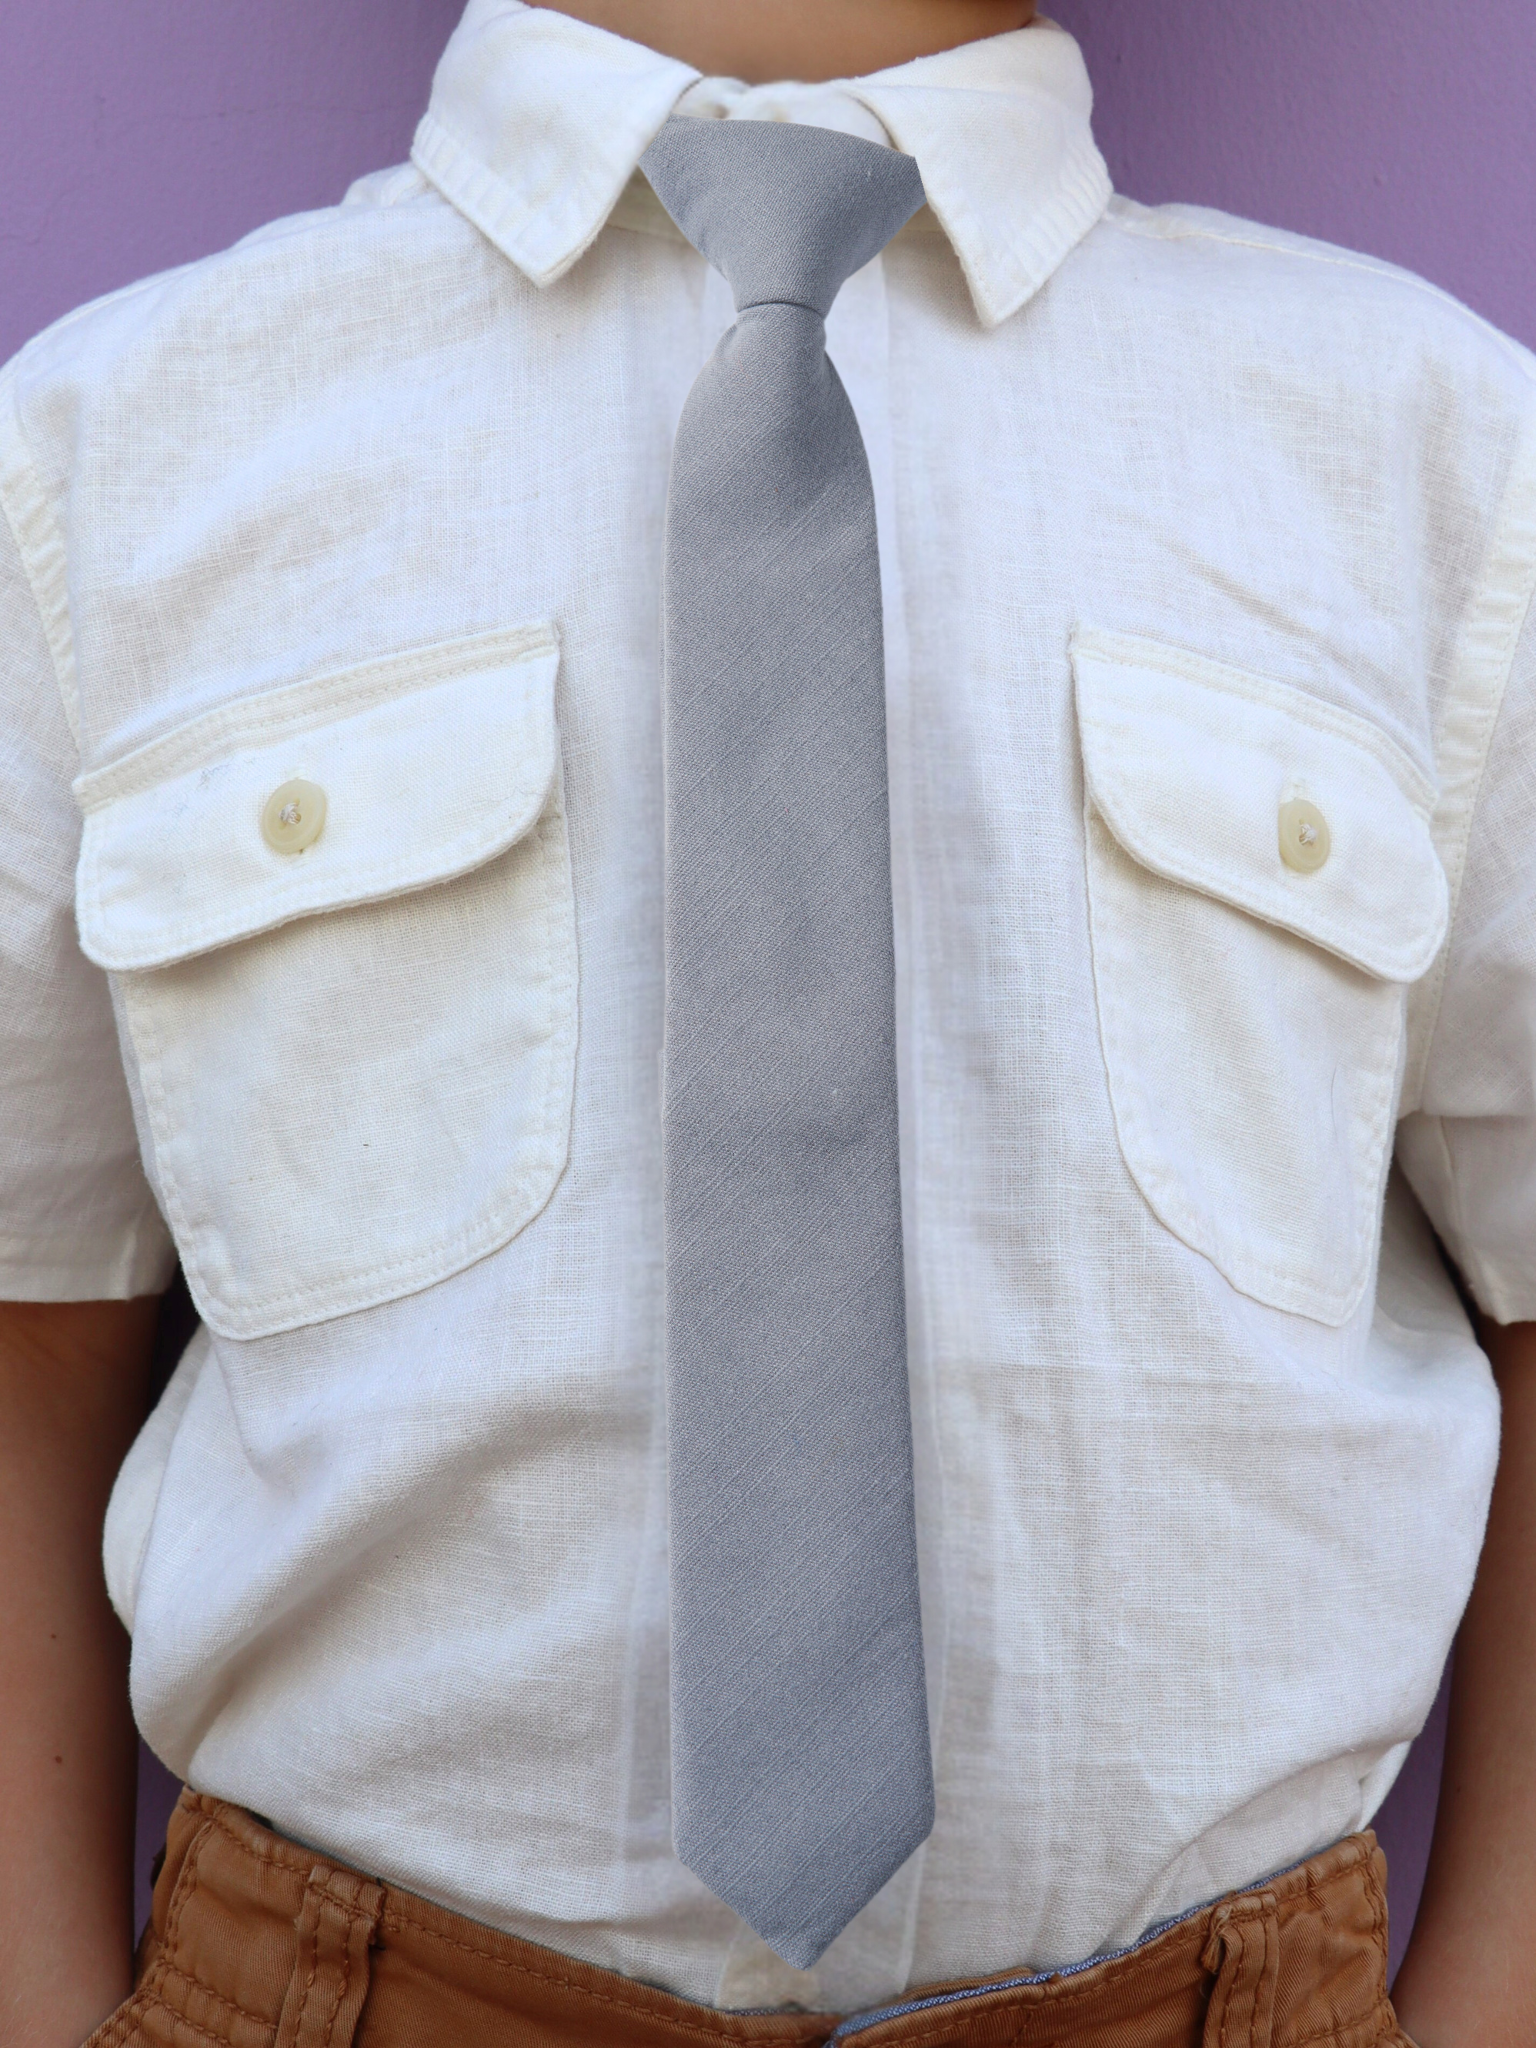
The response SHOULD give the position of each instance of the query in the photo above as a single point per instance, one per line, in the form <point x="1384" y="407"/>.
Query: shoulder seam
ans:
<point x="123" y="294"/>
<point x="1490" y="642"/>
<point x="294" y="224"/>
<point x="39" y="546"/>
<point x="1338" y="259"/>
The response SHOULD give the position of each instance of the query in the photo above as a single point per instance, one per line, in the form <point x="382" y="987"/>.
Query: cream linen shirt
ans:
<point x="1207" y="552"/>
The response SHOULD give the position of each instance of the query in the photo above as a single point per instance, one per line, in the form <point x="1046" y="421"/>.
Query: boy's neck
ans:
<point x="764" y="40"/>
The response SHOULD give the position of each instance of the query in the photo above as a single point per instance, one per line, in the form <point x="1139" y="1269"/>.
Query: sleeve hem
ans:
<point x="1503" y="1298"/>
<point x="122" y="1272"/>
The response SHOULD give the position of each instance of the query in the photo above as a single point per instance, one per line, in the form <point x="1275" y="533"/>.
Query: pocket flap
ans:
<point x="432" y="763"/>
<point x="1189" y="763"/>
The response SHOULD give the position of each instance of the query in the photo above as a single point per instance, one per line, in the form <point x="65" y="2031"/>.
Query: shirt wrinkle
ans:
<point x="1225" y="529"/>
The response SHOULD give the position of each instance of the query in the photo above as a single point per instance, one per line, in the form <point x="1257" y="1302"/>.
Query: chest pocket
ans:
<point x="355" y="1050"/>
<point x="1262" y="889"/>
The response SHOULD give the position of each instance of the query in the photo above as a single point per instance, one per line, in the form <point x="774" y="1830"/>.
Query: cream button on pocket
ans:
<point x="293" y="817"/>
<point x="1305" y="841"/>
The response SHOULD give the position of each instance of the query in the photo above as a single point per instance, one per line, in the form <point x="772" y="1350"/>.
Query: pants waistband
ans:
<point x="256" y="1942"/>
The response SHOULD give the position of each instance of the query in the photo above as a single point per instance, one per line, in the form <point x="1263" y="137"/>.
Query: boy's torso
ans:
<point x="1202" y="529"/>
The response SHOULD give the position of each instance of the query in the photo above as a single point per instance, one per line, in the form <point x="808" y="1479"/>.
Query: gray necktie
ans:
<point x="801" y="1770"/>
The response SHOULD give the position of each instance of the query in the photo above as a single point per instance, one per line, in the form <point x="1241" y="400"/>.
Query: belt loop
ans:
<point x="1243" y="1954"/>
<point x="336" y="1927"/>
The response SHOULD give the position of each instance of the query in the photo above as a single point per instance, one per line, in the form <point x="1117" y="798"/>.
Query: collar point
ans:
<point x="483" y="200"/>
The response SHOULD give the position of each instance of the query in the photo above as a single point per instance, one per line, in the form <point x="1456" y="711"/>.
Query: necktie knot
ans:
<point x="784" y="212"/>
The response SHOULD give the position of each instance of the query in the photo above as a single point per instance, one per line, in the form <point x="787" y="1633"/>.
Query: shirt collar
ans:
<point x="537" y="121"/>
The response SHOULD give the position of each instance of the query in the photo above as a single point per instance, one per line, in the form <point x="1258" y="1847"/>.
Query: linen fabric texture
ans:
<point x="1179" y="518"/>
<point x="801" y="1773"/>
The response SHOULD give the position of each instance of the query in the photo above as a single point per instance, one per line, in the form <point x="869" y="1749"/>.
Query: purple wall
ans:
<point x="136" y="134"/>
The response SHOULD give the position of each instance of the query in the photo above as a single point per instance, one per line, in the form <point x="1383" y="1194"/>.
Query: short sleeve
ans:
<point x="77" y="1219"/>
<point x="1470" y="1153"/>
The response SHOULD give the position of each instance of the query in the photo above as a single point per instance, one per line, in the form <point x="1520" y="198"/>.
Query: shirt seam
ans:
<point x="1337" y="259"/>
<point x="39" y="548"/>
<point x="1509" y="583"/>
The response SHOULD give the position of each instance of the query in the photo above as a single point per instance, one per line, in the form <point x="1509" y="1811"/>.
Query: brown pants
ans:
<point x="256" y="1943"/>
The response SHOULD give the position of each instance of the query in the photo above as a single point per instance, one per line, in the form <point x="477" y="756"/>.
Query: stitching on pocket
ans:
<point x="306" y="706"/>
<point x="266" y="890"/>
<point x="453" y="1250"/>
<point x="1262" y="1278"/>
<point x="1394" y="930"/>
<point x="1287" y="698"/>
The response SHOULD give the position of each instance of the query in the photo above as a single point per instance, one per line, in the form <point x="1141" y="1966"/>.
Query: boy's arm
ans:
<point x="73" y="1387"/>
<point x="1469" y="1978"/>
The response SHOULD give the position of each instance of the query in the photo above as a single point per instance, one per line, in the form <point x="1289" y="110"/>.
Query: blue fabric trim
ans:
<point x="862" y="2022"/>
